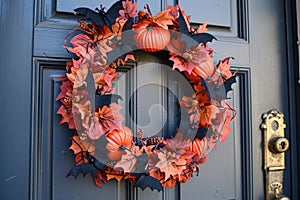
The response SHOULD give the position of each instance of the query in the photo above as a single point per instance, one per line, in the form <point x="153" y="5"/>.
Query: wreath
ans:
<point x="102" y="145"/>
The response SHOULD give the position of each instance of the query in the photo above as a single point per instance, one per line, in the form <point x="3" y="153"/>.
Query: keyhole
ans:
<point x="283" y="145"/>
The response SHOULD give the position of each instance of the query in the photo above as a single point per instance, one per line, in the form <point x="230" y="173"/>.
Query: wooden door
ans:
<point x="255" y="32"/>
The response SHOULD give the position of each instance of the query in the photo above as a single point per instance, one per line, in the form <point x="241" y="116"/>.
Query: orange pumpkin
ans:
<point x="205" y="69"/>
<point x="117" y="140"/>
<point x="152" y="39"/>
<point x="199" y="146"/>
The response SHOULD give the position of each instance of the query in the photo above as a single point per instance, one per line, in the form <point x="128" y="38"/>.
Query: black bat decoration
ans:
<point x="220" y="93"/>
<point x="145" y="180"/>
<point x="190" y="132"/>
<point x="106" y="99"/>
<point x="197" y="37"/>
<point x="97" y="99"/>
<point x="100" y="17"/>
<point x="125" y="45"/>
<point x="92" y="167"/>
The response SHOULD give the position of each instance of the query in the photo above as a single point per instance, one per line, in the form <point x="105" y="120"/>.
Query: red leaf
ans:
<point x="95" y="130"/>
<point x="65" y="87"/>
<point x="186" y="59"/>
<point x="129" y="10"/>
<point x="66" y="117"/>
<point x="97" y="182"/>
<point x="81" y="45"/>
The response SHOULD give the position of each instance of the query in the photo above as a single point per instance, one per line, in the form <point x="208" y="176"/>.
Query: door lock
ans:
<point x="274" y="146"/>
<point x="278" y="145"/>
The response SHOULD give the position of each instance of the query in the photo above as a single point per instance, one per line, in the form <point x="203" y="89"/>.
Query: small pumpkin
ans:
<point x="152" y="38"/>
<point x="205" y="69"/>
<point x="199" y="146"/>
<point x="117" y="140"/>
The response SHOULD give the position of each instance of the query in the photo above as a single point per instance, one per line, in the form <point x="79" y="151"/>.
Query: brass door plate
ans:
<point x="273" y="128"/>
<point x="274" y="146"/>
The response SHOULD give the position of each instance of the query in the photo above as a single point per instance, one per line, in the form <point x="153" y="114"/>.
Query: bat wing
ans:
<point x="188" y="37"/>
<point x="189" y="131"/>
<point x="128" y="25"/>
<point x="228" y="84"/>
<point x="92" y="15"/>
<point x="83" y="169"/>
<point x="220" y="93"/>
<point x="106" y="100"/>
<point x="201" y="133"/>
<point x="203" y="37"/>
<point x="145" y="181"/>
<point x="124" y="47"/>
<point x="183" y="28"/>
<point x="112" y="14"/>
<point x="99" y="165"/>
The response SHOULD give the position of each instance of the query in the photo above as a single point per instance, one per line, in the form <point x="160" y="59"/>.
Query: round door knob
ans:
<point x="279" y="145"/>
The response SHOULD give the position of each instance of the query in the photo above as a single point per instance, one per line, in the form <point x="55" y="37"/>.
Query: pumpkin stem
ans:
<point x="149" y="27"/>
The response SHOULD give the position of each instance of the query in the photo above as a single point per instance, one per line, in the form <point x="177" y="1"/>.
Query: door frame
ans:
<point x="293" y="128"/>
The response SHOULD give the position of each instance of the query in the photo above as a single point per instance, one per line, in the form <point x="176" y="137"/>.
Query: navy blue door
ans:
<point x="35" y="151"/>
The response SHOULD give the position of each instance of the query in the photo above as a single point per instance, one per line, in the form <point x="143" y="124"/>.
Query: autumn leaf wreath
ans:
<point x="102" y="145"/>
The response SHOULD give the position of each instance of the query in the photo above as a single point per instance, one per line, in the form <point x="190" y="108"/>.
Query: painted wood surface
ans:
<point x="36" y="154"/>
<point x="16" y="33"/>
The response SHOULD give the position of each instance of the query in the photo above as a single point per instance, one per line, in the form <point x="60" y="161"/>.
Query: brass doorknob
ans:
<point x="279" y="145"/>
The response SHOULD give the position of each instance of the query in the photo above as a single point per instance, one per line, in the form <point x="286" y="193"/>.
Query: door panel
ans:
<point x="51" y="145"/>
<point x="220" y="177"/>
<point x="249" y="31"/>
<point x="222" y="9"/>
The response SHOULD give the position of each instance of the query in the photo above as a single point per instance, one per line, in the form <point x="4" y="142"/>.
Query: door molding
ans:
<point x="293" y="77"/>
<point x="41" y="145"/>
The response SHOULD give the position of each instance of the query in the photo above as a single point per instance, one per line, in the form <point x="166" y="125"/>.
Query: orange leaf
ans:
<point x="114" y="176"/>
<point x="80" y="158"/>
<point x="127" y="162"/>
<point x="129" y="159"/>
<point x="207" y="113"/>
<point x="109" y="117"/>
<point x="201" y="93"/>
<point x="170" y="183"/>
<point x="85" y="112"/>
<point x="80" y="79"/>
<point x="202" y="28"/>
<point x="79" y="145"/>
<point x="169" y="164"/>
<point x="163" y="19"/>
